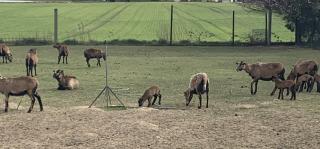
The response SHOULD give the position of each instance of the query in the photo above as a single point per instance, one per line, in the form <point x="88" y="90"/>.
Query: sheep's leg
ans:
<point x="59" y="58"/>
<point x="98" y="63"/>
<point x="301" y="86"/>
<point x="154" y="99"/>
<point x="39" y="100"/>
<point x="256" y="84"/>
<point x="293" y="93"/>
<point x="207" y="99"/>
<point x="63" y="59"/>
<point x="149" y="101"/>
<point x="282" y="93"/>
<point x="35" y="69"/>
<point x="190" y="97"/>
<point x="6" y="102"/>
<point x="32" y="102"/>
<point x="31" y="70"/>
<point x="200" y="101"/>
<point x="274" y="90"/>
<point x="159" y="99"/>
<point x="251" y="89"/>
<point x="279" y="93"/>
<point x="66" y="59"/>
<point x="318" y="86"/>
<point x="88" y="62"/>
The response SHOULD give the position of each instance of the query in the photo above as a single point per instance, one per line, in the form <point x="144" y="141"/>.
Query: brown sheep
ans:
<point x="305" y="67"/>
<point x="262" y="71"/>
<point x="31" y="62"/>
<point x="5" y="53"/>
<point x="317" y="80"/>
<point x="285" y="84"/>
<point x="18" y="87"/>
<point x="153" y="91"/>
<point x="199" y="84"/>
<point x="65" y="81"/>
<point x="94" y="53"/>
<point x="63" y="51"/>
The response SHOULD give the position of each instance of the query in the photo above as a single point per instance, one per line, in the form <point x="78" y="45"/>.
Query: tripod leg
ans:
<point x="97" y="97"/>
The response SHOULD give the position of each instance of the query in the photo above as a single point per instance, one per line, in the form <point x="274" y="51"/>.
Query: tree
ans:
<point x="302" y="16"/>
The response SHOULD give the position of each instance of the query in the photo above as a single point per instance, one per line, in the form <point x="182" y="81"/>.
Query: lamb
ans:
<point x="285" y="84"/>
<point x="5" y="53"/>
<point x="31" y="62"/>
<point x="63" y="51"/>
<point x="153" y="91"/>
<point x="65" y="81"/>
<point x="305" y="67"/>
<point x="304" y="80"/>
<point x="18" y="87"/>
<point x="94" y="53"/>
<point x="262" y="71"/>
<point x="199" y="84"/>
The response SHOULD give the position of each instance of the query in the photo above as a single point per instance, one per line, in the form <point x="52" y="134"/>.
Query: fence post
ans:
<point x="269" y="26"/>
<point x="171" y="23"/>
<point x="233" y="27"/>
<point x="266" y="29"/>
<point x="55" y="29"/>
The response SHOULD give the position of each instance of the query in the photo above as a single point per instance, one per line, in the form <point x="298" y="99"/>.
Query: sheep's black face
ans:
<point x="57" y="75"/>
<point x="188" y="97"/>
<point x="140" y="102"/>
<point x="240" y="66"/>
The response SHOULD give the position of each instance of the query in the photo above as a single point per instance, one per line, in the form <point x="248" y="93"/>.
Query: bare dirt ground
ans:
<point x="237" y="126"/>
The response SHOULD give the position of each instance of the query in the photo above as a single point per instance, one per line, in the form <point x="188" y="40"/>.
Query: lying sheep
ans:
<point x="285" y="84"/>
<point x="64" y="81"/>
<point x="31" y="62"/>
<point x="94" y="53"/>
<point x="199" y="84"/>
<point x="261" y="71"/>
<point x="18" y="87"/>
<point x="5" y="52"/>
<point x="153" y="91"/>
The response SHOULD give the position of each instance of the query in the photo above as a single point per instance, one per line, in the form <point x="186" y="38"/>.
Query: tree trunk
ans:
<point x="298" y="33"/>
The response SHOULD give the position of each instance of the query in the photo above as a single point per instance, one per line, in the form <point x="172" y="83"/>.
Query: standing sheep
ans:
<point x="199" y="84"/>
<point x="305" y="67"/>
<point x="31" y="62"/>
<point x="285" y="84"/>
<point x="153" y="91"/>
<point x="19" y="87"/>
<point x="65" y="81"/>
<point x="5" y="53"/>
<point x="63" y="51"/>
<point x="262" y="71"/>
<point x="94" y="53"/>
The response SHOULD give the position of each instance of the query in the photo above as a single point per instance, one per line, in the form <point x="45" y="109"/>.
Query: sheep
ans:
<point x="199" y="84"/>
<point x="18" y="87"/>
<point x="261" y="71"/>
<point x="63" y="51"/>
<point x="5" y="53"/>
<point x="153" y="91"/>
<point x="65" y="81"/>
<point x="302" y="80"/>
<point x="285" y="84"/>
<point x="94" y="53"/>
<point x="31" y="62"/>
<point x="305" y="67"/>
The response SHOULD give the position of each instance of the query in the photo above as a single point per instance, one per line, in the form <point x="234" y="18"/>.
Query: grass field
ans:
<point x="140" y="21"/>
<point x="235" y="119"/>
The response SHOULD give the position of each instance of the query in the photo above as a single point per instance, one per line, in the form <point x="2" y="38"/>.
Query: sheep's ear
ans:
<point x="237" y="63"/>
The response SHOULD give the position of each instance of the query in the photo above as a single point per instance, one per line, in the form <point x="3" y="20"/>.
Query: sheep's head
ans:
<point x="140" y="102"/>
<point x="57" y="45"/>
<point x="58" y="74"/>
<point x="10" y="57"/>
<point x="188" y="96"/>
<point x="240" y="66"/>
<point x="291" y="76"/>
<point x="33" y="50"/>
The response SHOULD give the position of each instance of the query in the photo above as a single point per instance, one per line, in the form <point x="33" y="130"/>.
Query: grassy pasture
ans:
<point x="234" y="119"/>
<point x="140" y="21"/>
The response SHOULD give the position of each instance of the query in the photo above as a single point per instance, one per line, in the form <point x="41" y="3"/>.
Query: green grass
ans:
<point x="133" y="69"/>
<point x="140" y="21"/>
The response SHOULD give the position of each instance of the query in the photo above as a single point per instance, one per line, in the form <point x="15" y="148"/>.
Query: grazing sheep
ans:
<point x="31" y="62"/>
<point x="285" y="84"/>
<point x="63" y="51"/>
<point x="304" y="80"/>
<point x="199" y="84"/>
<point x="5" y="53"/>
<point x="153" y="91"/>
<point x="305" y="67"/>
<point x="65" y="82"/>
<point x="94" y="53"/>
<point x="262" y="71"/>
<point x="18" y="87"/>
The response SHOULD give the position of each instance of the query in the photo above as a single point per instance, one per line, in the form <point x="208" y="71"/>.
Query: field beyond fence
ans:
<point x="138" y="23"/>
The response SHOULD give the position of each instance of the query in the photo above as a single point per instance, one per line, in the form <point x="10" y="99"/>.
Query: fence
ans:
<point x="144" y="23"/>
